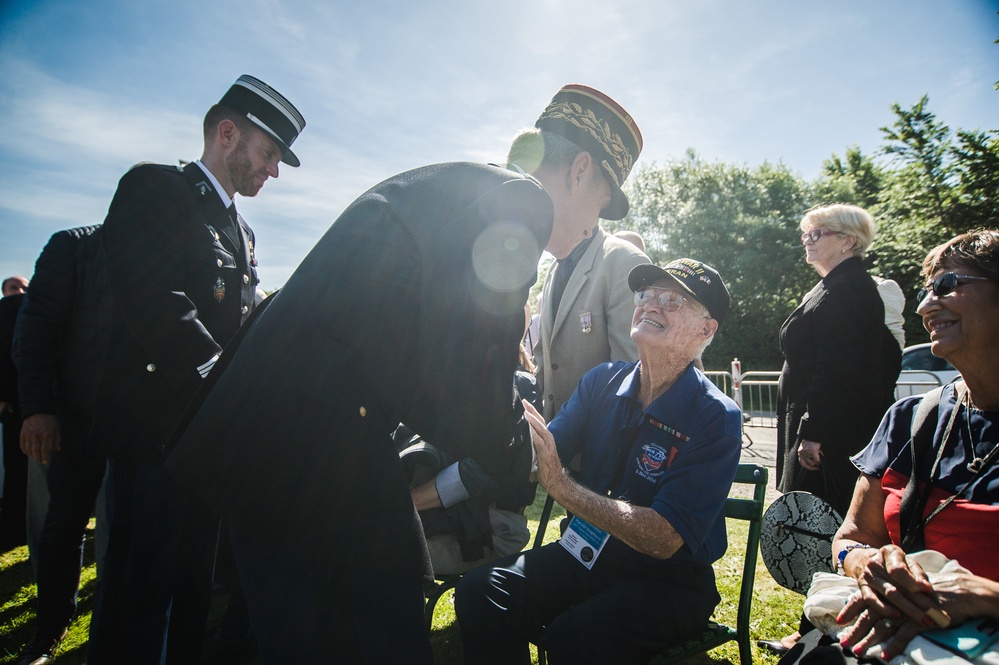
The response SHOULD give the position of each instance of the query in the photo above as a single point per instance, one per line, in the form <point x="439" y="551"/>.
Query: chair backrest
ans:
<point x="750" y="510"/>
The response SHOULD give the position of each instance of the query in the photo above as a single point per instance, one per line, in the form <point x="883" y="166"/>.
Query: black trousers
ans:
<point x="158" y="571"/>
<point x="74" y="480"/>
<point x="15" y="486"/>
<point x="304" y="608"/>
<point x="611" y="614"/>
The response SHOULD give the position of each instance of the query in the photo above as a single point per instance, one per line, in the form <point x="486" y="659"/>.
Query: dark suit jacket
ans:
<point x="63" y="327"/>
<point x="832" y="388"/>
<point x="182" y="276"/>
<point x="409" y="309"/>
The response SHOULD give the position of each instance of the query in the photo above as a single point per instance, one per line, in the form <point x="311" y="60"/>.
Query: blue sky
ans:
<point x="89" y="88"/>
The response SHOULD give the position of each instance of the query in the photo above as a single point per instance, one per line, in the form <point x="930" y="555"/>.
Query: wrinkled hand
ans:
<point x="873" y="629"/>
<point x="809" y="455"/>
<point x="962" y="595"/>
<point x="894" y="604"/>
<point x="41" y="437"/>
<point x="550" y="471"/>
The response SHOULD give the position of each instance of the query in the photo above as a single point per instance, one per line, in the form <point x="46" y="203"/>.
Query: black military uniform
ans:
<point x="411" y="309"/>
<point x="181" y="270"/>
<point x="181" y="267"/>
<point x="183" y="274"/>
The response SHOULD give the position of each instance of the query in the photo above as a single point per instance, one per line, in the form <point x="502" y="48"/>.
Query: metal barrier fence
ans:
<point x="756" y="391"/>
<point x="915" y="382"/>
<point x="759" y="398"/>
<point x="721" y="379"/>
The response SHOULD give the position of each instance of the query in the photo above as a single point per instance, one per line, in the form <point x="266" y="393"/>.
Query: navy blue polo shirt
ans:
<point x="677" y="457"/>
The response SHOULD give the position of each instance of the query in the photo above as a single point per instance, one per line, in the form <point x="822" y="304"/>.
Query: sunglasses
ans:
<point x="945" y="284"/>
<point x="815" y="235"/>
<point x="669" y="299"/>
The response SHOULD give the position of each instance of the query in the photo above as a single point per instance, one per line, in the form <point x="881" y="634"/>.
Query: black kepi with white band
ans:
<point x="266" y="108"/>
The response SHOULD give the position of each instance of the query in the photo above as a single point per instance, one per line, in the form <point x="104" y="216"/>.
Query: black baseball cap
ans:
<point x="698" y="279"/>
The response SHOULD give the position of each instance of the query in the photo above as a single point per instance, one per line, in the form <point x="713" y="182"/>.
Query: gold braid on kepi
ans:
<point x="601" y="126"/>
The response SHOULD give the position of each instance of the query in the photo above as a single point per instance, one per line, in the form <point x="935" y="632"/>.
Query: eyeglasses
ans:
<point x="815" y="235"/>
<point x="669" y="299"/>
<point x="945" y="284"/>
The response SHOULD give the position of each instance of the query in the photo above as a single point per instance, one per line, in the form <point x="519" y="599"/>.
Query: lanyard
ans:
<point x="912" y="540"/>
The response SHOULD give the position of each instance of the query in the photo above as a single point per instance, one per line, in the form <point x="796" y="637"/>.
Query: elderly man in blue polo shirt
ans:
<point x="659" y="447"/>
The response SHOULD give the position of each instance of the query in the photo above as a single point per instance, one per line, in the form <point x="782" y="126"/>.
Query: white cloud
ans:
<point x="387" y="85"/>
<point x="47" y="120"/>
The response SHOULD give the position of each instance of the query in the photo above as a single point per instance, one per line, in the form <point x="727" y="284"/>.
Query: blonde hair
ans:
<point x="846" y="219"/>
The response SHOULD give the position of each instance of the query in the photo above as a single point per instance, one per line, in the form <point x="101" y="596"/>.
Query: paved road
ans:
<point x="760" y="445"/>
<point x="762" y="450"/>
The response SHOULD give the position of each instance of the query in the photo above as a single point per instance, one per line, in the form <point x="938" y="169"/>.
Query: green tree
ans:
<point x="855" y="179"/>
<point x="936" y="190"/>
<point x="922" y="145"/>
<point x="744" y="222"/>
<point x="976" y="162"/>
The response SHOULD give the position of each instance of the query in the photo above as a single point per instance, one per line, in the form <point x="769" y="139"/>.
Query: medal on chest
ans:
<point x="219" y="289"/>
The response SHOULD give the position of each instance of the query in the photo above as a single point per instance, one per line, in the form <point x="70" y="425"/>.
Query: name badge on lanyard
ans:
<point x="584" y="541"/>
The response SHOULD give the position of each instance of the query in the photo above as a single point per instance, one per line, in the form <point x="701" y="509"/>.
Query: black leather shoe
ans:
<point x="773" y="646"/>
<point x="41" y="650"/>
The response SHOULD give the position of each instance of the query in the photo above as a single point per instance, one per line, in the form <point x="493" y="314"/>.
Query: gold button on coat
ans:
<point x="219" y="262"/>
<point x="150" y="367"/>
<point x="362" y="411"/>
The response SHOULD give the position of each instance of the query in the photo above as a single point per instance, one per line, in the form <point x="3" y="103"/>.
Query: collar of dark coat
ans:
<point x="847" y="265"/>
<point x="213" y="208"/>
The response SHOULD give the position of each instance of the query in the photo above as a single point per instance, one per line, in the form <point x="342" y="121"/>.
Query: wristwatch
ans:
<point x="841" y="557"/>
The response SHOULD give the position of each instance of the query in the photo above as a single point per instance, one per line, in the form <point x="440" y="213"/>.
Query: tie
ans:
<point x="233" y="230"/>
<point x="563" y="271"/>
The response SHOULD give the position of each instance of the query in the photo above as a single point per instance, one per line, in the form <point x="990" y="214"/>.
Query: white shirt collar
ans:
<point x="226" y="201"/>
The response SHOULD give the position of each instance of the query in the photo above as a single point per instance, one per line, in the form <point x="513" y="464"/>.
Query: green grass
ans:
<point x="17" y="606"/>
<point x="775" y="610"/>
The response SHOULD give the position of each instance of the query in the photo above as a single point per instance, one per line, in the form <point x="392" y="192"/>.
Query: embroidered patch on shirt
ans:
<point x="654" y="461"/>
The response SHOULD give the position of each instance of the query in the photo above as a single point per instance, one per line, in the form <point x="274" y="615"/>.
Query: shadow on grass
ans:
<point x="775" y="610"/>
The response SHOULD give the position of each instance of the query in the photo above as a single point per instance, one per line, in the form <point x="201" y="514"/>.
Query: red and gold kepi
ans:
<point x="599" y="125"/>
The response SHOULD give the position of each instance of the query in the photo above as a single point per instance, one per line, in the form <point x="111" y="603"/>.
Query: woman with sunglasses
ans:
<point x="951" y="505"/>
<point x="841" y="363"/>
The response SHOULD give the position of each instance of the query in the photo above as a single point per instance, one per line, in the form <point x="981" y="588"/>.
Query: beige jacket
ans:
<point x="593" y="321"/>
